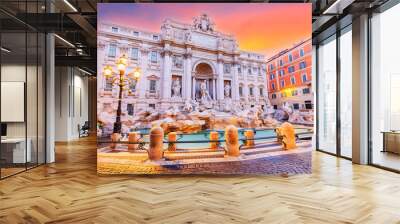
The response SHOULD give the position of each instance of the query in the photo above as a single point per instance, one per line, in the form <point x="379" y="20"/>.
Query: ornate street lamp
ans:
<point x="123" y="81"/>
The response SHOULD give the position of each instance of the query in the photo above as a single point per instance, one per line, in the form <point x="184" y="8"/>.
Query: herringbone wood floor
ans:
<point x="70" y="191"/>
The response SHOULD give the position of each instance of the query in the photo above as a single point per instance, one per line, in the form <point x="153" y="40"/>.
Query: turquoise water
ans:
<point x="204" y="136"/>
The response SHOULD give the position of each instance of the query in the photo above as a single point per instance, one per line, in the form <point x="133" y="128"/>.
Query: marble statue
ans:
<point x="188" y="107"/>
<point x="176" y="88"/>
<point x="205" y="99"/>
<point x="227" y="90"/>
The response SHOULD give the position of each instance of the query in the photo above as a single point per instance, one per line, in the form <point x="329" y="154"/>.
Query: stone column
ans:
<point x="214" y="90"/>
<point x="235" y="83"/>
<point x="141" y="85"/>
<point x="245" y="86"/>
<point x="188" y="75"/>
<point x="220" y="78"/>
<point x="166" y="76"/>
<point x="193" y="88"/>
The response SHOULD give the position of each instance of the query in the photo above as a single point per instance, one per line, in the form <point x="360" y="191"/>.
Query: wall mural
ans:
<point x="204" y="88"/>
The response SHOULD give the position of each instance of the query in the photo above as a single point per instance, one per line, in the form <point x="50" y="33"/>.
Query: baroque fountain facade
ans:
<point x="193" y="78"/>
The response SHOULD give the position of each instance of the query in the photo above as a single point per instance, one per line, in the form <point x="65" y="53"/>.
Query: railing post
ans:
<point x="172" y="138"/>
<point x="133" y="137"/>
<point x="156" y="143"/>
<point x="286" y="135"/>
<point x="214" y="135"/>
<point x="115" y="137"/>
<point x="232" y="141"/>
<point x="249" y="134"/>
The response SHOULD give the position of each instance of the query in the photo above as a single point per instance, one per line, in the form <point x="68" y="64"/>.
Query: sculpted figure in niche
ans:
<point x="176" y="88"/>
<point x="205" y="98"/>
<point x="227" y="90"/>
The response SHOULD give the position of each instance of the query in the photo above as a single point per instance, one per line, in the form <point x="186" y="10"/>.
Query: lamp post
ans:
<point x="122" y="80"/>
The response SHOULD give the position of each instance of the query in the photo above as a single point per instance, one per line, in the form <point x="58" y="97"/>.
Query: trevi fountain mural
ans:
<point x="189" y="100"/>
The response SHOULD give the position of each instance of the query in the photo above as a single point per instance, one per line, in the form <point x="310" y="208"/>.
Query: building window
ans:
<point x="290" y="57"/>
<point x="135" y="53"/>
<point x="283" y="83"/>
<point x="271" y="67"/>
<point x="152" y="105"/>
<point x="308" y="104"/>
<point x="291" y="69"/>
<point x="281" y="62"/>
<point x="152" y="86"/>
<point x="155" y="37"/>
<point x="271" y="76"/>
<point x="306" y="91"/>
<point x="114" y="29"/>
<point x="273" y="86"/>
<point x="227" y="68"/>
<point x="109" y="85"/>
<point x="239" y="69"/>
<point x="275" y="107"/>
<point x="249" y="70"/>
<point x="304" y="77"/>
<point x="294" y="92"/>
<point x="135" y="33"/>
<point x="273" y="96"/>
<point x="240" y="90"/>
<point x="129" y="108"/>
<point x="302" y="65"/>
<point x="301" y="52"/>
<point x="153" y="56"/>
<point x="251" y="91"/>
<point x="112" y="51"/>
<point x="293" y="80"/>
<point x="261" y="91"/>
<point x="281" y="72"/>
<point x="296" y="106"/>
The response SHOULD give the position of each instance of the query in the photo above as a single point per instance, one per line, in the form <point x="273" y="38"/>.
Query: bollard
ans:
<point x="249" y="134"/>
<point x="232" y="141"/>
<point x="115" y="137"/>
<point x="286" y="135"/>
<point x="172" y="138"/>
<point x="133" y="137"/>
<point x="214" y="136"/>
<point x="156" y="143"/>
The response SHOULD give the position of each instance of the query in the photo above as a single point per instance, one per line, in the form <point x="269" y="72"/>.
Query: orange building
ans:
<point x="289" y="77"/>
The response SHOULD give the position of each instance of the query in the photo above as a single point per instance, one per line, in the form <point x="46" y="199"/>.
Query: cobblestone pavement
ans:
<point x="290" y="164"/>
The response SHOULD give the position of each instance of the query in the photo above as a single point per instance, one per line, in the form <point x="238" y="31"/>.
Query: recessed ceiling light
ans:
<point x="64" y="40"/>
<point x="70" y="5"/>
<point x="5" y="50"/>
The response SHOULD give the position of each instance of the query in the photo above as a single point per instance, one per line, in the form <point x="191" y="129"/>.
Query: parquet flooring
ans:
<point x="70" y="191"/>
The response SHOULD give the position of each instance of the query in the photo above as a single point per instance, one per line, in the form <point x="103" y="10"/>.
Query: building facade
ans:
<point x="180" y="64"/>
<point x="290" y="77"/>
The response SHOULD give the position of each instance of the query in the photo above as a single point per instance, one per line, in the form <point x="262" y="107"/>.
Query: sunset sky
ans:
<point x="259" y="27"/>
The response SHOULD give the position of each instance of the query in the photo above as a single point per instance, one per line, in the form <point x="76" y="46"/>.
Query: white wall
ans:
<point x="71" y="102"/>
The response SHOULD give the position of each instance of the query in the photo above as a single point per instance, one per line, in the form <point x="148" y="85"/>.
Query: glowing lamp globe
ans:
<point x="121" y="66"/>
<point x="107" y="71"/>
<point x="136" y="73"/>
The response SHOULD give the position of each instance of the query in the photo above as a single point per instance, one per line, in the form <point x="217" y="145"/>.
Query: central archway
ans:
<point x="203" y="72"/>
